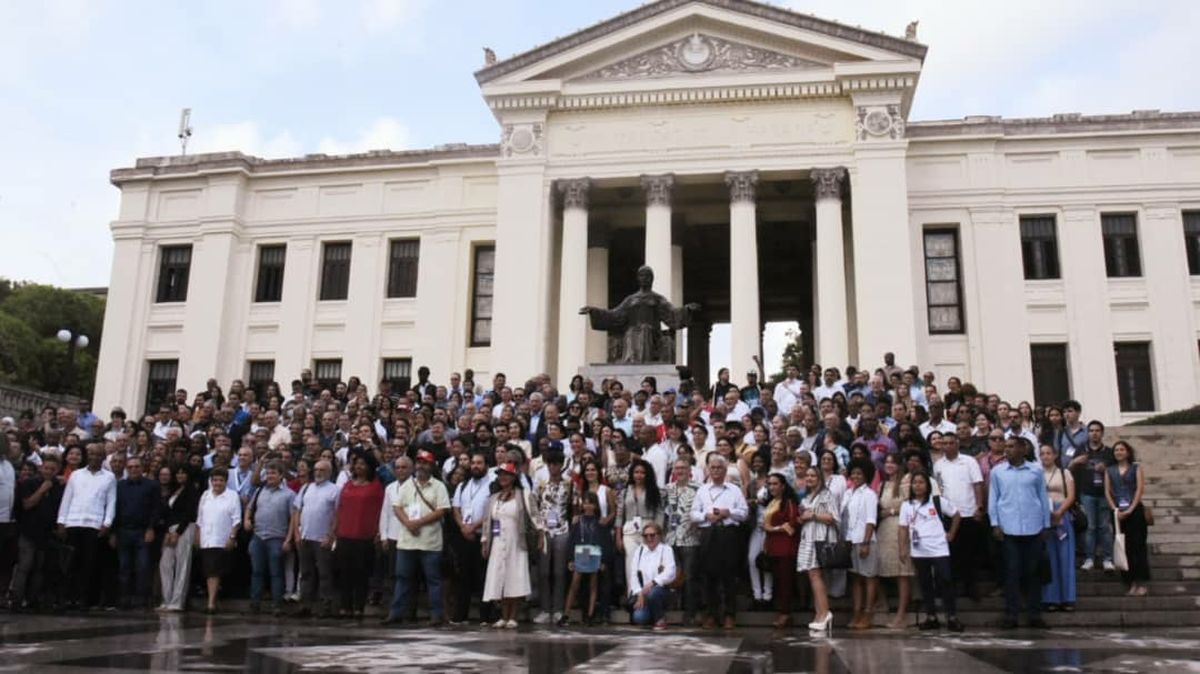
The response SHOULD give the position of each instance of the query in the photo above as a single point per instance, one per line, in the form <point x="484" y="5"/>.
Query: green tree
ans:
<point x="33" y="356"/>
<point x="793" y="354"/>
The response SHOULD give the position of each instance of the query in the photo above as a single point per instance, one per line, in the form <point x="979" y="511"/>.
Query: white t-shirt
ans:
<point x="956" y="481"/>
<point x="927" y="537"/>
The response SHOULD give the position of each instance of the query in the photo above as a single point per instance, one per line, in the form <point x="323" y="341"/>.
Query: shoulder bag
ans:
<point x="834" y="554"/>
<point x="1120" y="559"/>
<point x="1079" y="519"/>
<point x="533" y="537"/>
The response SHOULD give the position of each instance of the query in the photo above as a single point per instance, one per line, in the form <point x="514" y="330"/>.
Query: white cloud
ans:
<point x="245" y="137"/>
<point x="385" y="133"/>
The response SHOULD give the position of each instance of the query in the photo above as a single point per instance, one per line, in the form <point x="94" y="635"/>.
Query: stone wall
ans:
<point x="17" y="399"/>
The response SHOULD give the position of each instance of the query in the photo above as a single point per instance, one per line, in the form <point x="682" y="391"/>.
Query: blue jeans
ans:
<point x="406" y="571"/>
<point x="653" y="608"/>
<point x="133" y="555"/>
<point x="1099" y="525"/>
<point x="1021" y="557"/>
<point x="266" y="557"/>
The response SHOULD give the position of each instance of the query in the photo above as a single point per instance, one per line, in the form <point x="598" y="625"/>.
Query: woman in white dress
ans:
<point x="509" y="513"/>
<point x="819" y="517"/>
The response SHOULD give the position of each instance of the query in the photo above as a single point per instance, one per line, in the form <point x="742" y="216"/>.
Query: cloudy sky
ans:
<point x="89" y="85"/>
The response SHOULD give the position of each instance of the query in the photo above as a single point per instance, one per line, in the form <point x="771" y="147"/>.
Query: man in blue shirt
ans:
<point x="1019" y="509"/>
<point x="137" y="512"/>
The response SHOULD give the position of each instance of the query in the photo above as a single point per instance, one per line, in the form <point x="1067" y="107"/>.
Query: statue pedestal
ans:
<point x="631" y="376"/>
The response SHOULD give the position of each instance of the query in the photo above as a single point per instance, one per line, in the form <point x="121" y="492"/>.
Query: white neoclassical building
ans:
<point x="760" y="160"/>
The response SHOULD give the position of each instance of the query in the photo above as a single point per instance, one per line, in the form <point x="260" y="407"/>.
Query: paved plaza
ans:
<point x="140" y="642"/>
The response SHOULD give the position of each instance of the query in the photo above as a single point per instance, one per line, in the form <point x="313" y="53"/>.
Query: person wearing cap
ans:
<point x="420" y="504"/>
<point x="508" y="516"/>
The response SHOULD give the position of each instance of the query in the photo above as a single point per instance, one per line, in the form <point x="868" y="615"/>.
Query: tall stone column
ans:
<point x="658" y="231"/>
<point x="599" y="237"/>
<point x="573" y="280"/>
<point x="745" y="338"/>
<point x="833" y="335"/>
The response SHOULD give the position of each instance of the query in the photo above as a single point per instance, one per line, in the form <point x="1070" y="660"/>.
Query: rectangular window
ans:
<point x="1135" y="380"/>
<point x="174" y="265"/>
<point x="269" y="287"/>
<point x="328" y="372"/>
<point x="1039" y="247"/>
<point x="262" y="374"/>
<point x="1121" y="255"/>
<point x="1191" y="240"/>
<point x="1051" y="382"/>
<point x="942" y="287"/>
<point x="335" y="271"/>
<point x="402" y="268"/>
<point x="160" y="383"/>
<point x="481" y="296"/>
<point x="398" y="371"/>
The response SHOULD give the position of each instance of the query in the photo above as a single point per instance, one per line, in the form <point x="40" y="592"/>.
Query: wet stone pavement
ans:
<point x="110" y="642"/>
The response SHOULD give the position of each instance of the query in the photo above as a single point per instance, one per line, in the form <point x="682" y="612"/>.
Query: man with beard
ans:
<point x="470" y="507"/>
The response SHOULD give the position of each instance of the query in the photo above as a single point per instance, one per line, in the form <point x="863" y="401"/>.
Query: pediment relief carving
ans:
<point x="698" y="53"/>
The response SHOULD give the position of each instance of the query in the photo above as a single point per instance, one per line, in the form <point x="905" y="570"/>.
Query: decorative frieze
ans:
<point x="698" y="53"/>
<point x="575" y="192"/>
<point x="742" y="185"/>
<point x="827" y="182"/>
<point x="658" y="189"/>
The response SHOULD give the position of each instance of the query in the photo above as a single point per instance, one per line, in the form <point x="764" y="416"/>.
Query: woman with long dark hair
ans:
<point x="641" y="502"/>
<point x="924" y="539"/>
<point x="179" y="522"/>
<point x="781" y="525"/>
<point x="891" y="563"/>
<point x="1124" y="486"/>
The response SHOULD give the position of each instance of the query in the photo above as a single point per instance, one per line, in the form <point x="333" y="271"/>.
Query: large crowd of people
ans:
<point x="490" y="499"/>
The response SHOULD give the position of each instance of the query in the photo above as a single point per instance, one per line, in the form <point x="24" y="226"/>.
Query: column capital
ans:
<point x="827" y="182"/>
<point x="574" y="192"/>
<point x="658" y="189"/>
<point x="741" y="185"/>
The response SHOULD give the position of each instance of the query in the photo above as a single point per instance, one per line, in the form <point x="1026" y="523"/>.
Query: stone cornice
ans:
<point x="747" y="7"/>
<point x="1070" y="123"/>
<point x="148" y="168"/>
<point x="544" y="100"/>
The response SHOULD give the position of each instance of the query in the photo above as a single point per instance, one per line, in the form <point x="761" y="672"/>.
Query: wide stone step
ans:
<point x="1187" y="553"/>
<point x="978" y="619"/>
<point x="1089" y="589"/>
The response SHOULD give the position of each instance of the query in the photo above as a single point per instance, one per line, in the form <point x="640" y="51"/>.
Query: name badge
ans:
<point x="414" y="512"/>
<point x="466" y="518"/>
<point x="1123" y="503"/>
<point x="674" y="520"/>
<point x="495" y="528"/>
<point x="916" y="538"/>
<point x="552" y="519"/>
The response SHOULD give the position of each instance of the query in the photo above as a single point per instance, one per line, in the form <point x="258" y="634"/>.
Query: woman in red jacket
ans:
<point x="357" y="522"/>
<point x="781" y="522"/>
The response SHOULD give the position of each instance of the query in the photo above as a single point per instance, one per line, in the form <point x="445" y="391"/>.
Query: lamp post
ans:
<point x="74" y="341"/>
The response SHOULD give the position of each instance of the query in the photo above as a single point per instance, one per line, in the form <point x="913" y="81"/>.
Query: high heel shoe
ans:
<point x="822" y="625"/>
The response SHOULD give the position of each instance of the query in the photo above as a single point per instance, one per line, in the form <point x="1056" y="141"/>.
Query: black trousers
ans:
<point x="8" y="554"/>
<point x="472" y="571"/>
<point x="354" y="559"/>
<point x="86" y="543"/>
<point x="967" y="551"/>
<point x="720" y="556"/>
<point x="933" y="574"/>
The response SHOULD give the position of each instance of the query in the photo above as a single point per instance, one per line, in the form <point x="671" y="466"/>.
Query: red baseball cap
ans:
<point x="426" y="456"/>
<point x="510" y="468"/>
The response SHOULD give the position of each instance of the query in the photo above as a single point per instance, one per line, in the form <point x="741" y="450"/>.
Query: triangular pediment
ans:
<point x="687" y="38"/>
<point x="698" y="53"/>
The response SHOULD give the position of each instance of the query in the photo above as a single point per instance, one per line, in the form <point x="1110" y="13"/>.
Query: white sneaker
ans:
<point x="557" y="617"/>
<point x="499" y="624"/>
<point x="1088" y="564"/>
<point x="1108" y="565"/>
<point x="512" y="625"/>
<point x="541" y="618"/>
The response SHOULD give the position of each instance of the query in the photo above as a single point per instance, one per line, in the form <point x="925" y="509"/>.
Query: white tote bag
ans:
<point x="1119" y="559"/>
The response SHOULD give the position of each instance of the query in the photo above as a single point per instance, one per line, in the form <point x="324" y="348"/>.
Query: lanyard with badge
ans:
<point x="469" y="501"/>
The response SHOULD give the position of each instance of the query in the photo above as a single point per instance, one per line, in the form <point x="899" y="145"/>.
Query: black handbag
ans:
<point x="1079" y="519"/>
<point x="834" y="554"/>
